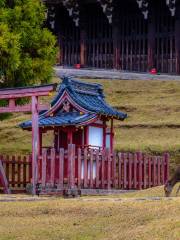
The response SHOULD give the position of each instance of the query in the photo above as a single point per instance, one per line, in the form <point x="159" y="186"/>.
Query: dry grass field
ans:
<point x="123" y="217"/>
<point x="153" y="123"/>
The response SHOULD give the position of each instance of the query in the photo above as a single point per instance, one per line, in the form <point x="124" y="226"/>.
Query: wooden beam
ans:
<point x="15" y="93"/>
<point x="23" y="108"/>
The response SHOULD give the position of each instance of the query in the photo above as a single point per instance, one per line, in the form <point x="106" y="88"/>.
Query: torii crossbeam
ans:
<point x="11" y="95"/>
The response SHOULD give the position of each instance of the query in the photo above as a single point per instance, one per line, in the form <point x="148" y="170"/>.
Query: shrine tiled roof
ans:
<point x="89" y="96"/>
<point x="62" y="119"/>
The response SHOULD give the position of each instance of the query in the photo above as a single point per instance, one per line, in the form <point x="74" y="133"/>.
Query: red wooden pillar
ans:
<point x="112" y="136"/>
<point x="35" y="143"/>
<point x="40" y="141"/>
<point x="151" y="39"/>
<point x="69" y="136"/>
<point x="177" y="37"/>
<point x="104" y="134"/>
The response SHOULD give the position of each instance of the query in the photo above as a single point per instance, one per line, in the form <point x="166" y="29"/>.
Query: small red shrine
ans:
<point x="78" y="115"/>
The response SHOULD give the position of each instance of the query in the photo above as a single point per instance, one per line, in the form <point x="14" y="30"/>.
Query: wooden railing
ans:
<point x="92" y="168"/>
<point x="18" y="171"/>
<point x="88" y="169"/>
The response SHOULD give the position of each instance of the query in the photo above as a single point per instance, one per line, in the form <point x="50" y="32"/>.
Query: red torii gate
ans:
<point x="11" y="95"/>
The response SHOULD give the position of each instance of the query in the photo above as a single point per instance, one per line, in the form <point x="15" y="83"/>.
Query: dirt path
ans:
<point x="24" y="198"/>
<point x="112" y="74"/>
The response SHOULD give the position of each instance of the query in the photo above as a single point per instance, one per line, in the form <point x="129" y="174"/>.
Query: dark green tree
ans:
<point x="27" y="48"/>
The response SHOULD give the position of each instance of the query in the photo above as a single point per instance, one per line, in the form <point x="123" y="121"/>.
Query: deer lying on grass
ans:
<point x="172" y="182"/>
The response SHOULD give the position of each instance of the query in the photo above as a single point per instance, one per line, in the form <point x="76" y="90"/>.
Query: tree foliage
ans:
<point x="27" y="48"/>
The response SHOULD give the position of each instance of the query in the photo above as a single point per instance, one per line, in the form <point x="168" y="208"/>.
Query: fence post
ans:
<point x="3" y="179"/>
<point x="52" y="162"/>
<point x="139" y="158"/>
<point x="135" y="170"/>
<point x="79" y="168"/>
<point x="108" y="157"/>
<point x="91" y="168"/>
<point x="114" y="175"/>
<point x="61" y="169"/>
<point x="149" y="172"/>
<point x="166" y="162"/>
<point x="97" y="168"/>
<point x="103" y="168"/>
<point x="85" y="168"/>
<point x="44" y="166"/>
<point x="119" y="170"/>
<point x="71" y="166"/>
<point x="129" y="170"/>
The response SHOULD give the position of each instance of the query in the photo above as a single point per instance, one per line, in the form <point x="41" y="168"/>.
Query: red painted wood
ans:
<point x="112" y="136"/>
<point x="3" y="179"/>
<point x="135" y="170"/>
<point x="154" y="171"/>
<point x="139" y="170"/>
<point x="109" y="166"/>
<point x="149" y="172"/>
<point x="35" y="142"/>
<point x="144" y="171"/>
<point x="19" y="171"/>
<point x="61" y="169"/>
<point x="91" y="167"/>
<point x="85" y="169"/>
<point x="44" y="166"/>
<point x="114" y="170"/>
<point x="103" y="168"/>
<point x="71" y="166"/>
<point x="130" y="171"/>
<point x="97" y="168"/>
<point x="52" y="162"/>
<point x="124" y="159"/>
<point x="15" y="93"/>
<point x="119" y="171"/>
<point x="13" y="171"/>
<point x="162" y="170"/>
<point x="79" y="168"/>
<point x="24" y="108"/>
<point x="159" y="171"/>
<point x="167" y="161"/>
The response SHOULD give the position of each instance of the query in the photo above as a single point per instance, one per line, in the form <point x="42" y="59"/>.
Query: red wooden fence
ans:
<point x="18" y="171"/>
<point x="100" y="169"/>
<point x="88" y="169"/>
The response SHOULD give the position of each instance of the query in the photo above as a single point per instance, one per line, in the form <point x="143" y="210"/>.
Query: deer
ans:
<point x="172" y="182"/>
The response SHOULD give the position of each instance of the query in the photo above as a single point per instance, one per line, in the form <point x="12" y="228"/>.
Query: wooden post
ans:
<point x="61" y="168"/>
<point x="35" y="143"/>
<point x="116" y="39"/>
<point x="69" y="136"/>
<point x="3" y="179"/>
<point x="71" y="166"/>
<point x="112" y="136"/>
<point x="83" y="48"/>
<point x="151" y="39"/>
<point x="177" y="37"/>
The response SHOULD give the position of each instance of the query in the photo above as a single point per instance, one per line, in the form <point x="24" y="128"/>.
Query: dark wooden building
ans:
<point x="132" y="35"/>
